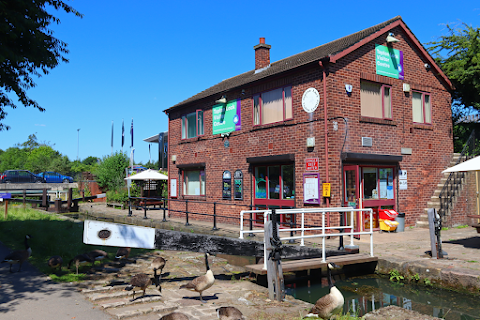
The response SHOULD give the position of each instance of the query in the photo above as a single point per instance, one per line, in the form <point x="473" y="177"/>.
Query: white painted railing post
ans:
<point x="323" y="237"/>
<point x="371" y="233"/>
<point x="351" y="228"/>
<point x="241" y="224"/>
<point x="302" y="242"/>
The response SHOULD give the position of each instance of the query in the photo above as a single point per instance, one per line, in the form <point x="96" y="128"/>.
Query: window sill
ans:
<point x="198" y="198"/>
<point x="271" y="125"/>
<point x="378" y="121"/>
<point x="190" y="140"/>
<point x="422" y="126"/>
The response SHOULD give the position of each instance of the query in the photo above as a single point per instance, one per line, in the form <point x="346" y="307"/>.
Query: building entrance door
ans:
<point x="352" y="195"/>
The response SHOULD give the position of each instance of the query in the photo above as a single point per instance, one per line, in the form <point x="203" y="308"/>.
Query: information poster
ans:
<point x="227" y="185"/>
<point x="173" y="188"/>
<point x="238" y="185"/>
<point x="311" y="187"/>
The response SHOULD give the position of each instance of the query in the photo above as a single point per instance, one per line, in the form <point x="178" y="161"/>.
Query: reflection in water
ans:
<point x="366" y="294"/>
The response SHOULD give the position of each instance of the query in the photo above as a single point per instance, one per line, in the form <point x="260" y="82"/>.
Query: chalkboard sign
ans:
<point x="238" y="185"/>
<point x="227" y="185"/>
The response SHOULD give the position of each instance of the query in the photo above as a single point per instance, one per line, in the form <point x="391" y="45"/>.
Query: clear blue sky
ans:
<point x="134" y="59"/>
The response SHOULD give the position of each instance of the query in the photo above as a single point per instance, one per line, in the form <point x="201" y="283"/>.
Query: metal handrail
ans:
<point x="302" y="229"/>
<point x="451" y="187"/>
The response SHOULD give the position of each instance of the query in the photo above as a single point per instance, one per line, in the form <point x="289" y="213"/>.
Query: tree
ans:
<point x="110" y="172"/>
<point x="458" y="54"/>
<point x="27" y="48"/>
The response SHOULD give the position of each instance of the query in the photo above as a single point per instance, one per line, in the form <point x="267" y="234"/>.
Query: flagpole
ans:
<point x="112" y="138"/>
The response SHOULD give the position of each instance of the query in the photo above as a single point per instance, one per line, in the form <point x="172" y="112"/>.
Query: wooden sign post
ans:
<point x="276" y="286"/>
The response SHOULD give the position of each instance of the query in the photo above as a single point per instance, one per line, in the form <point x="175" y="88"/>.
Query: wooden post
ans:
<point x="6" y="209"/>
<point x="276" y="288"/>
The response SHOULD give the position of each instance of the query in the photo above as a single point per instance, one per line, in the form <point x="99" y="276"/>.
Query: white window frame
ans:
<point x="425" y="116"/>
<point x="199" y="124"/>
<point x="385" y="115"/>
<point x="287" y="105"/>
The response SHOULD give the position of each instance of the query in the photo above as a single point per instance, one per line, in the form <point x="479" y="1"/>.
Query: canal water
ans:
<point x="371" y="292"/>
<point x="368" y="293"/>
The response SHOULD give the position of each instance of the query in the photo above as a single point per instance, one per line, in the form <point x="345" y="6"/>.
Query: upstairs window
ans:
<point x="192" y="125"/>
<point x="272" y="106"/>
<point x="421" y="109"/>
<point x="376" y="100"/>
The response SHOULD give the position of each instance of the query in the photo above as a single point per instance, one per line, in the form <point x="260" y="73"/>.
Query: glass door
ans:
<point x="352" y="195"/>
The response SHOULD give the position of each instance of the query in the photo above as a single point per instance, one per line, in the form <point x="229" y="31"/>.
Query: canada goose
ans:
<point x="174" y="316"/>
<point x="81" y="259"/>
<point x="97" y="255"/>
<point x="329" y="304"/>
<point x="55" y="262"/>
<point x="158" y="264"/>
<point x="141" y="281"/>
<point x="229" y="313"/>
<point x="122" y="253"/>
<point x="201" y="283"/>
<point x="19" y="256"/>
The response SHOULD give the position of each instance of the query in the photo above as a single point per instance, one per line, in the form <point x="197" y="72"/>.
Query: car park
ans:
<point x="20" y="176"/>
<point x="54" y="177"/>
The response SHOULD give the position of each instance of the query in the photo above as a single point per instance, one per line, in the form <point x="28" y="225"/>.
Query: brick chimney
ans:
<point x="262" y="54"/>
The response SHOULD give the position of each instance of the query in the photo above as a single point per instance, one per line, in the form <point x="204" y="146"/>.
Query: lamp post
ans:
<point x="78" y="143"/>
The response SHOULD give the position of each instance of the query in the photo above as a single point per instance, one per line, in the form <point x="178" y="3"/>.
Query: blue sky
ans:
<point x="134" y="59"/>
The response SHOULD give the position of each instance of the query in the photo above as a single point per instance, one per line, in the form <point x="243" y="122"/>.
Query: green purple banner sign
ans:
<point x="389" y="62"/>
<point x="226" y="117"/>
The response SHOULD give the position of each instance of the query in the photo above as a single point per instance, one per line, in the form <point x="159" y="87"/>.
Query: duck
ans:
<point x="97" y="255"/>
<point x="81" y="259"/>
<point x="19" y="256"/>
<point x="158" y="264"/>
<point x="122" y="253"/>
<point x="141" y="281"/>
<point x="174" y="316"/>
<point x="331" y="303"/>
<point x="55" y="262"/>
<point x="229" y="313"/>
<point x="201" y="283"/>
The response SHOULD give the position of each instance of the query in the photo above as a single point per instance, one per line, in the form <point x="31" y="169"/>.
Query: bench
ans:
<point x="115" y="204"/>
<point x="148" y="203"/>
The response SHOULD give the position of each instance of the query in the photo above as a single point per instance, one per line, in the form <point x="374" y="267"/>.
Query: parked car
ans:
<point x="54" y="177"/>
<point x="20" y="176"/>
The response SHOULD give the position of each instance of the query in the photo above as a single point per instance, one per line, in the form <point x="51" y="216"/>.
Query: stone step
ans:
<point x="143" y="309"/>
<point x="422" y="224"/>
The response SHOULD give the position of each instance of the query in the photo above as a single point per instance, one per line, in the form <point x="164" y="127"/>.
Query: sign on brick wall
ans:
<point x="389" y="62"/>
<point x="311" y="164"/>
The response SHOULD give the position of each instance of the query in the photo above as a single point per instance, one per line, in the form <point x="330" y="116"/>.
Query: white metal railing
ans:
<point x="302" y="229"/>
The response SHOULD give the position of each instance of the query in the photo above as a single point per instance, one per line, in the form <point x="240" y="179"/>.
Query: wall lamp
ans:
<point x="223" y="99"/>
<point x="391" y="38"/>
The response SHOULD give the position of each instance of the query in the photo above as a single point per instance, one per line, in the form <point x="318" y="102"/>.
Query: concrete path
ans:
<point x="28" y="294"/>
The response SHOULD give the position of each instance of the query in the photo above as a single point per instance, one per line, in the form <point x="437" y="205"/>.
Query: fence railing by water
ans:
<point x="303" y="229"/>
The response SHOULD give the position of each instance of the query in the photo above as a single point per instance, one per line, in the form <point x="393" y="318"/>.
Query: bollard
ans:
<point x="164" y="218"/>
<point x="145" y="210"/>
<point x="214" y="217"/>
<point x="186" y="213"/>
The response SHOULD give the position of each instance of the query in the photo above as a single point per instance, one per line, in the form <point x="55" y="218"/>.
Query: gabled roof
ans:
<point x="334" y="50"/>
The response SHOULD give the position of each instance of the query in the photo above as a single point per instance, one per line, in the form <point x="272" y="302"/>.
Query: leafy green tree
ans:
<point x="111" y="171"/>
<point x="28" y="48"/>
<point x="40" y="158"/>
<point x="89" y="161"/>
<point x="458" y="54"/>
<point x="13" y="158"/>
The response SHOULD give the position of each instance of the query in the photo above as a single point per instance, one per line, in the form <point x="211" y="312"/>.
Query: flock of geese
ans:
<point x="325" y="307"/>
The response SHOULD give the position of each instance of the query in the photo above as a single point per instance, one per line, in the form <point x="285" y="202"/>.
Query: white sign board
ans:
<point x="173" y="188"/>
<point x="118" y="235"/>
<point x="402" y="174"/>
<point x="402" y="185"/>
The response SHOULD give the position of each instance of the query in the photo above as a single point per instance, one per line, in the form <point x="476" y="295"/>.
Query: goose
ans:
<point x="122" y="253"/>
<point x="141" y="281"/>
<point x="97" y="255"/>
<point x="329" y="304"/>
<point x="158" y="264"/>
<point x="174" y="316"/>
<point x="229" y="313"/>
<point x="201" y="283"/>
<point x="19" y="256"/>
<point x="80" y="259"/>
<point x="55" y="262"/>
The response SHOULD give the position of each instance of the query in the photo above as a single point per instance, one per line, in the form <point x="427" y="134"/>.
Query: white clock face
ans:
<point x="310" y="100"/>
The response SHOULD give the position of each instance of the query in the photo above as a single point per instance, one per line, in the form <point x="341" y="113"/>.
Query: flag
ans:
<point x="131" y="133"/>
<point x="123" y="134"/>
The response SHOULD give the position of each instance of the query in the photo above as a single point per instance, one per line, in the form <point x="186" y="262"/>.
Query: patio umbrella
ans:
<point x="148" y="175"/>
<point x="469" y="165"/>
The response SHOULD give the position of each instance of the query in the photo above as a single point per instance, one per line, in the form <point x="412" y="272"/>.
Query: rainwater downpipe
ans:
<point x="323" y="64"/>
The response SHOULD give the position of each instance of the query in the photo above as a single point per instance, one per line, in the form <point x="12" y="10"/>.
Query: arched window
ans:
<point x="238" y="185"/>
<point x="227" y="185"/>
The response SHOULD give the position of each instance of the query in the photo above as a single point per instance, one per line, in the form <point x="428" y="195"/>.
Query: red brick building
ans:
<point x="368" y="113"/>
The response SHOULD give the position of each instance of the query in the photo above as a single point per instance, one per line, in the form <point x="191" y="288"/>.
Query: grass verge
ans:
<point x="51" y="235"/>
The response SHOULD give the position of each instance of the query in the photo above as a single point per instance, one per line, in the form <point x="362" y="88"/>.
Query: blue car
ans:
<point x="55" y="177"/>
